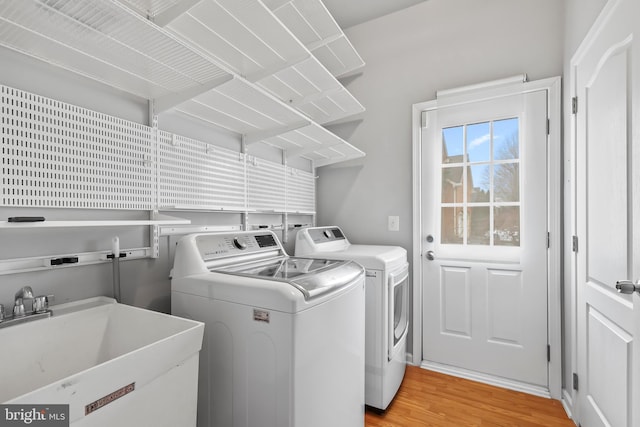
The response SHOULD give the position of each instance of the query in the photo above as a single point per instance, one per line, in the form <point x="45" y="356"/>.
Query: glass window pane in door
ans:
<point x="479" y="142"/>
<point x="506" y="226"/>
<point x="479" y="181"/>
<point x="452" y="144"/>
<point x="452" y="221"/>
<point x="505" y="139"/>
<point x="452" y="185"/>
<point x="506" y="182"/>
<point x="479" y="223"/>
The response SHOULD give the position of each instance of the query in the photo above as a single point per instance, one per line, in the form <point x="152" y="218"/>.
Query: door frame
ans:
<point x="468" y="94"/>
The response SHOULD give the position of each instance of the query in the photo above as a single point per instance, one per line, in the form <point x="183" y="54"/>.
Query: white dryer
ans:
<point x="284" y="336"/>
<point x="387" y="305"/>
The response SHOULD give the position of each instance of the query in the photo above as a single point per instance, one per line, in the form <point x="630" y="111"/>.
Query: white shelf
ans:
<point x="104" y="41"/>
<point x="231" y="63"/>
<point x="164" y="220"/>
<point x="266" y="120"/>
<point x="250" y="41"/>
<point x="312" y="90"/>
<point x="241" y="107"/>
<point x="313" y="25"/>
<point x="182" y="230"/>
<point x="316" y="144"/>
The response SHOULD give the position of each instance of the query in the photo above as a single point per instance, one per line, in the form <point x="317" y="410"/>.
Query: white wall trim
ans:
<point x="554" y="194"/>
<point x="520" y="78"/>
<point x="416" y="128"/>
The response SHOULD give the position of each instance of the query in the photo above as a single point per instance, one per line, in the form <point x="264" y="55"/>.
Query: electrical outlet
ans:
<point x="394" y="223"/>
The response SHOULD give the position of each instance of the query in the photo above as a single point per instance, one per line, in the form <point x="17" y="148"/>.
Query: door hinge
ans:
<point x="548" y="353"/>
<point x="574" y="243"/>
<point x="574" y="105"/>
<point x="575" y="381"/>
<point x="548" y="240"/>
<point x="548" y="127"/>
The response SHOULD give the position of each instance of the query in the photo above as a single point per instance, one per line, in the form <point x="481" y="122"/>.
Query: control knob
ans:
<point x="238" y="244"/>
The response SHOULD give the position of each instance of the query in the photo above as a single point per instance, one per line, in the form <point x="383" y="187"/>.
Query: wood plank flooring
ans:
<point x="431" y="399"/>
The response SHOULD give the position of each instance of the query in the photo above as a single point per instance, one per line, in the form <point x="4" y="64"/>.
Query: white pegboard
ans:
<point x="197" y="175"/>
<point x="300" y="191"/>
<point x="59" y="155"/>
<point x="266" y="185"/>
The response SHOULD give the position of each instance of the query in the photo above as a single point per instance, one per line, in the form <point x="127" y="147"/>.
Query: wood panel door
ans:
<point x="607" y="138"/>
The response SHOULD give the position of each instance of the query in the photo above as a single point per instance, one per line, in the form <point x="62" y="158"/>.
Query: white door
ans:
<point x="607" y="73"/>
<point x="484" y="212"/>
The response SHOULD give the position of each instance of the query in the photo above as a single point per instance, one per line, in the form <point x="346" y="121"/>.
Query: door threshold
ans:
<point x="486" y="379"/>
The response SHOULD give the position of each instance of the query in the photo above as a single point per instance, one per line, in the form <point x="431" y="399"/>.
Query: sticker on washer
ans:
<point x="260" y="315"/>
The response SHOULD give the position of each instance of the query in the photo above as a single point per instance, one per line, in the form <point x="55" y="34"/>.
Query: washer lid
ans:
<point x="311" y="276"/>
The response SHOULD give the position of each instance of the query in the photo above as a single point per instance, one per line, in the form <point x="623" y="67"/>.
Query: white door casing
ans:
<point x="487" y="311"/>
<point x="606" y="70"/>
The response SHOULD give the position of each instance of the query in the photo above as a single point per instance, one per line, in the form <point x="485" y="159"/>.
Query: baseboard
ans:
<point x="487" y="379"/>
<point x="567" y="403"/>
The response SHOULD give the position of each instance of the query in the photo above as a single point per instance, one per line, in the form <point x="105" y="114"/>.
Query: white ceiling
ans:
<point x="353" y="12"/>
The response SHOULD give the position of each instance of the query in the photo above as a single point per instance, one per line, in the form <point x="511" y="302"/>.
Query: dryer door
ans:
<point x="398" y="288"/>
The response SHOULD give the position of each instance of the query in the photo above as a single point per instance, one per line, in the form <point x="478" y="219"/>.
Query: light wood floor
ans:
<point x="428" y="398"/>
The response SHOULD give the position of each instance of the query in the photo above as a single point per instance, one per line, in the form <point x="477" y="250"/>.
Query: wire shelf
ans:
<point x="103" y="40"/>
<point x="230" y="63"/>
<point x="313" y="25"/>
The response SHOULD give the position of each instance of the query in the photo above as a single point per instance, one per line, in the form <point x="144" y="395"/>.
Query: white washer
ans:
<point x="387" y="305"/>
<point x="284" y="336"/>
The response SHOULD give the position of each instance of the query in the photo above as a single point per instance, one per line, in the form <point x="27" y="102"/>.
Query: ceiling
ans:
<point x="353" y="12"/>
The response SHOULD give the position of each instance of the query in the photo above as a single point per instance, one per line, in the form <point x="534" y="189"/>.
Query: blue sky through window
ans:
<point x="505" y="139"/>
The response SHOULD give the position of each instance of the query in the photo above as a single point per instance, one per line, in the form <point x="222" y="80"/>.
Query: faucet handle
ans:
<point x="18" y="308"/>
<point x="41" y="303"/>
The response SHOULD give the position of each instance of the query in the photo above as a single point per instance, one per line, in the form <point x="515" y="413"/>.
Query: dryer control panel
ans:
<point x="325" y="234"/>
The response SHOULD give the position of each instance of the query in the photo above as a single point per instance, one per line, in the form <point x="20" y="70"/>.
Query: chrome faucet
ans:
<point x="18" y="306"/>
<point x="40" y="308"/>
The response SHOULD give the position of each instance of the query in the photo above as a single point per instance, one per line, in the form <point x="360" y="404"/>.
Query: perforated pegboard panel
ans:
<point x="266" y="185"/>
<point x="301" y="191"/>
<point x="59" y="155"/>
<point x="197" y="175"/>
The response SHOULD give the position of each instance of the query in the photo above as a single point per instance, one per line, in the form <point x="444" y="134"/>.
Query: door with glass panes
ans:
<point x="484" y="220"/>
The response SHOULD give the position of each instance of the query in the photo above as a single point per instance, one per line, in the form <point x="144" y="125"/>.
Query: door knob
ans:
<point x="431" y="255"/>
<point x="627" y="286"/>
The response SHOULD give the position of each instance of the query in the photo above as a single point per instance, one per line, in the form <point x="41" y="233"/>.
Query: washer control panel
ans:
<point x="214" y="246"/>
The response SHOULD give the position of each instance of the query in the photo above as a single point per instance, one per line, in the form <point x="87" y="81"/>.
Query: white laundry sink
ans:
<point x="93" y="350"/>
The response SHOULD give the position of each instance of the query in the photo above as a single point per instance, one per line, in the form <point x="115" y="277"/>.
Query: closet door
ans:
<point x="607" y="138"/>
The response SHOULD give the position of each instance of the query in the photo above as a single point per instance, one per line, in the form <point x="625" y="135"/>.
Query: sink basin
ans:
<point x="112" y="363"/>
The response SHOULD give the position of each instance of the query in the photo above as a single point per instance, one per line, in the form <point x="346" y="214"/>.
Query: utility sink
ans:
<point x="112" y="363"/>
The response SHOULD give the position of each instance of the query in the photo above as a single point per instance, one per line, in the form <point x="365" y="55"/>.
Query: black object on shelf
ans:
<point x="26" y="219"/>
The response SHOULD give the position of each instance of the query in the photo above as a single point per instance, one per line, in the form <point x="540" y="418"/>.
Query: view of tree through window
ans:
<point x="480" y="197"/>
